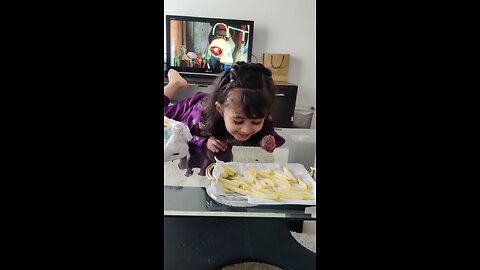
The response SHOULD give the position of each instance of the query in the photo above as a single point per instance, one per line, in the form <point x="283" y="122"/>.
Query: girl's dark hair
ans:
<point x="258" y="94"/>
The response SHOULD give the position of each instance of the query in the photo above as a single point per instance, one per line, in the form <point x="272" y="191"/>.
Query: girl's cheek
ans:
<point x="231" y="126"/>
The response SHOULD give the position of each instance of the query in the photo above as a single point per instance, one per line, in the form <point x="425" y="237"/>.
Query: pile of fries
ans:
<point x="265" y="184"/>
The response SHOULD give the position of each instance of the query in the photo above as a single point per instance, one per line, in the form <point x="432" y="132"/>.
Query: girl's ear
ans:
<point x="219" y="108"/>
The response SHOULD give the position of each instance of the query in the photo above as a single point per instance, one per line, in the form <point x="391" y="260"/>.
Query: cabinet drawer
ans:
<point x="284" y="106"/>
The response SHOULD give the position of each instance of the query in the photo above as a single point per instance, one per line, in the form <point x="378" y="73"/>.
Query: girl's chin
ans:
<point x="242" y="138"/>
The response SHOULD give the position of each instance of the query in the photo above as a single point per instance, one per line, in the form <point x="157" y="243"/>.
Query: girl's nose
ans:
<point x="247" y="130"/>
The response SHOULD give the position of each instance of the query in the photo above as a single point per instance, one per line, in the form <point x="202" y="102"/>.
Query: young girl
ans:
<point x="238" y="112"/>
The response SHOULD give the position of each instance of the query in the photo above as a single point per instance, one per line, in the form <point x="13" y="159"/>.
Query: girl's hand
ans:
<point x="268" y="143"/>
<point x="215" y="145"/>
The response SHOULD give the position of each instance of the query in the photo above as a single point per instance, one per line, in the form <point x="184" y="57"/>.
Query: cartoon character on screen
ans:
<point x="241" y="52"/>
<point x="182" y="60"/>
<point x="226" y="48"/>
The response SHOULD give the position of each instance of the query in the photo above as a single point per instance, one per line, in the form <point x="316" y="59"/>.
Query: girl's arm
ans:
<point x="185" y="110"/>
<point x="188" y="111"/>
<point x="198" y="140"/>
<point x="180" y="112"/>
<point x="166" y="102"/>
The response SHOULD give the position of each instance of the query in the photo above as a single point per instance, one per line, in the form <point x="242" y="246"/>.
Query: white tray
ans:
<point x="216" y="191"/>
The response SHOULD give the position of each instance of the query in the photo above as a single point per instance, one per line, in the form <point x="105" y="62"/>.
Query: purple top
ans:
<point x="189" y="112"/>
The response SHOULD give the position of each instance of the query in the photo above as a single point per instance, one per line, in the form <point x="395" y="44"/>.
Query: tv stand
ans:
<point x="195" y="80"/>
<point x="283" y="107"/>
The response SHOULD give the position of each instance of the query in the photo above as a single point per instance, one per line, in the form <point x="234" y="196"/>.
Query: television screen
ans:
<point x="207" y="46"/>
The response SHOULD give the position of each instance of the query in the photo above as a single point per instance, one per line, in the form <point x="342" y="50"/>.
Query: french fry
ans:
<point x="233" y="188"/>
<point x="289" y="196"/>
<point x="285" y="194"/>
<point x="280" y="175"/>
<point x="297" y="191"/>
<point x="236" y="178"/>
<point x="266" y="184"/>
<point x="269" y="181"/>
<point x="267" y="173"/>
<point x="240" y="180"/>
<point x="243" y="184"/>
<point x="280" y="178"/>
<point x="288" y="173"/>
<point x="309" y="186"/>
<point x="263" y="195"/>
<point x="229" y="182"/>
<point x="229" y="170"/>
<point x="251" y="177"/>
<point x="302" y="184"/>
<point x="259" y="188"/>
<point x="295" y="194"/>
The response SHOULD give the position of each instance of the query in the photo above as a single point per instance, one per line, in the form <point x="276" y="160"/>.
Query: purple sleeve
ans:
<point x="166" y="102"/>
<point x="188" y="111"/>
<point x="198" y="140"/>
<point x="182" y="110"/>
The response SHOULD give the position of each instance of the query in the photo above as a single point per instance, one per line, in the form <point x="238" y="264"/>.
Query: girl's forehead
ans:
<point x="237" y="109"/>
<point x="235" y="93"/>
<point x="234" y="99"/>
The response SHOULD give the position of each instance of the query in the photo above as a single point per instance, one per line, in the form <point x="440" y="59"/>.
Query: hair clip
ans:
<point x="233" y="73"/>
<point x="234" y="77"/>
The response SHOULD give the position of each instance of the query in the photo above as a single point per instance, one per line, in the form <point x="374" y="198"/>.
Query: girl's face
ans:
<point x="236" y="122"/>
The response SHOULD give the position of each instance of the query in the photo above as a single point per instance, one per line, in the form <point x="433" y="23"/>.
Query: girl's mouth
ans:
<point x="243" y="137"/>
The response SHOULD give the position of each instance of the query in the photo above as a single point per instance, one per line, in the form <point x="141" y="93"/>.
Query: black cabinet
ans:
<point x="284" y="105"/>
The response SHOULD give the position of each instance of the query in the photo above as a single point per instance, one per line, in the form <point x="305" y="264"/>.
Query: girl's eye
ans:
<point x="256" y="123"/>
<point x="237" y="122"/>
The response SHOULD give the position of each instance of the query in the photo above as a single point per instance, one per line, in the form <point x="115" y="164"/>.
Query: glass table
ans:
<point x="201" y="233"/>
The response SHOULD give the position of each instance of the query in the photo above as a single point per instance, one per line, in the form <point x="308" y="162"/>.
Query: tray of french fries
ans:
<point x="251" y="184"/>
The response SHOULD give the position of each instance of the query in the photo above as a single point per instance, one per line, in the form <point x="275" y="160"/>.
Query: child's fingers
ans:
<point x="269" y="140"/>
<point x="219" y="145"/>
<point x="269" y="149"/>
<point x="269" y="143"/>
<point x="214" y="149"/>
<point x="266" y="140"/>
<point x="215" y="145"/>
<point x="222" y="144"/>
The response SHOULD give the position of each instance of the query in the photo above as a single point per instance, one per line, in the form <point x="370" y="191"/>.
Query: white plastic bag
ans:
<point x="176" y="136"/>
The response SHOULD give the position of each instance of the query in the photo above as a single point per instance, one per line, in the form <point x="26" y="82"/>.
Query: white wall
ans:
<point x="280" y="26"/>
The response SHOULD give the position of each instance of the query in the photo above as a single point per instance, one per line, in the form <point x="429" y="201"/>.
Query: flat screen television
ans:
<point x="199" y="46"/>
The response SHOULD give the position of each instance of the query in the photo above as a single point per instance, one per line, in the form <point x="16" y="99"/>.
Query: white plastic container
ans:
<point x="301" y="144"/>
<point x="176" y="136"/>
<point x="302" y="117"/>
